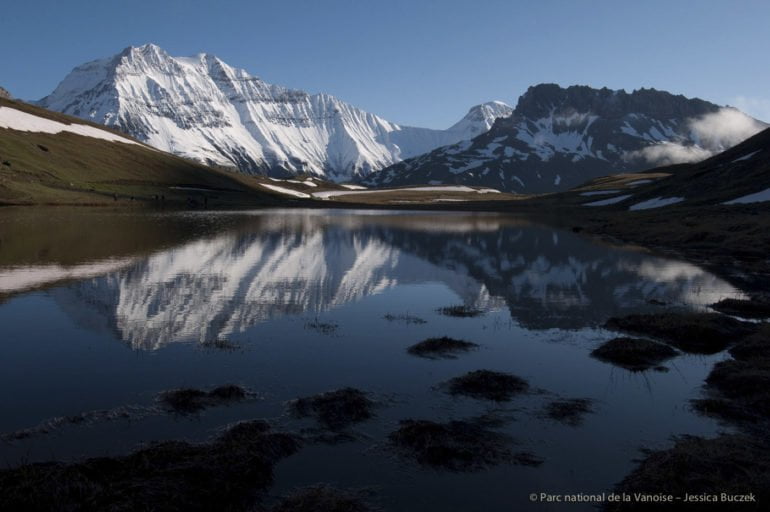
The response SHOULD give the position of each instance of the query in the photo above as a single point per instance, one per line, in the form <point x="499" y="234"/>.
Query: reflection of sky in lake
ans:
<point x="261" y="285"/>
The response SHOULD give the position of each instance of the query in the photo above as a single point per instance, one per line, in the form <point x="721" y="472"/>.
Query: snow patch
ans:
<point x="612" y="200"/>
<point x="17" y="120"/>
<point x="655" y="203"/>
<point x="286" y="191"/>
<point x="757" y="197"/>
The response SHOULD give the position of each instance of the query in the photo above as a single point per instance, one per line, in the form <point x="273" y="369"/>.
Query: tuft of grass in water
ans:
<point x="743" y="308"/>
<point x="220" y="344"/>
<point x="225" y="474"/>
<point x="456" y="445"/>
<point x="633" y="354"/>
<point x="731" y="464"/>
<point x="190" y="400"/>
<point x="335" y="409"/>
<point x="321" y="498"/>
<point x="327" y="328"/>
<point x="488" y="385"/>
<point x="460" y="311"/>
<point x="569" y="411"/>
<point x="698" y="333"/>
<point x="406" y="318"/>
<point x="443" y="347"/>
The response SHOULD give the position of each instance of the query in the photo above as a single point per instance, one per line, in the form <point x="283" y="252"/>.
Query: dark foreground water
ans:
<point x="103" y="310"/>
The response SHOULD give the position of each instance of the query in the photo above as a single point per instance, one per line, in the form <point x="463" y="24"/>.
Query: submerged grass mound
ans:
<point x="406" y="318"/>
<point x="739" y="389"/>
<point x="633" y="354"/>
<point x="320" y="498"/>
<point x="460" y="311"/>
<point x="335" y="409"/>
<point x="755" y="346"/>
<point x="743" y="308"/>
<point x="731" y="464"/>
<point x="444" y="347"/>
<point x="488" y="385"/>
<point x="699" y="333"/>
<point x="456" y="445"/>
<point x="190" y="400"/>
<point x="220" y="344"/>
<point x="225" y="474"/>
<point x="569" y="411"/>
<point x="327" y="328"/>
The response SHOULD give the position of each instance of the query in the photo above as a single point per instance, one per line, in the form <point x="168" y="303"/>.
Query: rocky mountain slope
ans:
<point x="204" y="109"/>
<point x="739" y="175"/>
<point x="558" y="138"/>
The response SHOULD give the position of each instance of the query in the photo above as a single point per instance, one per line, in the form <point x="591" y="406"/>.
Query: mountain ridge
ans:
<point x="200" y="107"/>
<point x="557" y="138"/>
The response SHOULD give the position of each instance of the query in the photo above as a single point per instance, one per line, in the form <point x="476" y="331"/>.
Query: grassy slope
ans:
<point x="66" y="168"/>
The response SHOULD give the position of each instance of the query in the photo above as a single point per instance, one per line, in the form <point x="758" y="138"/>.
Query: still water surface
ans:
<point x="101" y="310"/>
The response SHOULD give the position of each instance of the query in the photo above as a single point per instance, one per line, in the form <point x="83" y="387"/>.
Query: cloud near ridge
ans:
<point x="713" y="134"/>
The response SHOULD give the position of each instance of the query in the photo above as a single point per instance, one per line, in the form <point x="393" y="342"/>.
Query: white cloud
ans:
<point x="712" y="133"/>
<point x="756" y="107"/>
<point x="667" y="153"/>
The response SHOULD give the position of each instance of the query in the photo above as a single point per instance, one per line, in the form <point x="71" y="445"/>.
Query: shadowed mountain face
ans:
<point x="304" y="264"/>
<point x="558" y="138"/>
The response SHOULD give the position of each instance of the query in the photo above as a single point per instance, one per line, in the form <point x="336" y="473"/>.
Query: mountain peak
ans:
<point x="559" y="137"/>
<point x="202" y="108"/>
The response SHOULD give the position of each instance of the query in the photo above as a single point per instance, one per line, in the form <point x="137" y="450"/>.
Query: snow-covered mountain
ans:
<point x="558" y="138"/>
<point x="201" y="108"/>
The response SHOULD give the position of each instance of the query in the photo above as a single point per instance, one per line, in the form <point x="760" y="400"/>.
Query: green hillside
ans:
<point x="66" y="168"/>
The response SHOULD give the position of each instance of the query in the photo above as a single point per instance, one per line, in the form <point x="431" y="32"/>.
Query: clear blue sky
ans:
<point x="417" y="62"/>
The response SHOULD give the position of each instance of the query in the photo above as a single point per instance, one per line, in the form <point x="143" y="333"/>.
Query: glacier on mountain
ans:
<point x="201" y="108"/>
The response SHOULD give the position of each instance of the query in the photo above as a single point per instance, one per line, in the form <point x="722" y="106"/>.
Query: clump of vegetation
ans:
<point x="327" y="328"/>
<point x="460" y="311"/>
<point x="633" y="354"/>
<point x="190" y="400"/>
<point x="83" y="418"/>
<point x="569" y="411"/>
<point x="456" y="445"/>
<point x="335" y="409"/>
<point x="406" y="318"/>
<point x="488" y="385"/>
<point x="739" y="389"/>
<point x="731" y="464"/>
<point x="320" y="498"/>
<point x="220" y="344"/>
<point x="225" y="474"/>
<point x="699" y="333"/>
<point x="756" y="346"/>
<point x="743" y="308"/>
<point x="443" y="347"/>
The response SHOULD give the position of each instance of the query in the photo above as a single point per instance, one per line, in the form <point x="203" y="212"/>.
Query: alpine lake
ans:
<point x="103" y="313"/>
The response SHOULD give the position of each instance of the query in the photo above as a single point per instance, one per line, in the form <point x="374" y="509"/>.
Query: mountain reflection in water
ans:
<point x="277" y="263"/>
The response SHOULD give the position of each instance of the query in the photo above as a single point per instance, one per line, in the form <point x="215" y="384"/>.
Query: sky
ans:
<point x="416" y="62"/>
